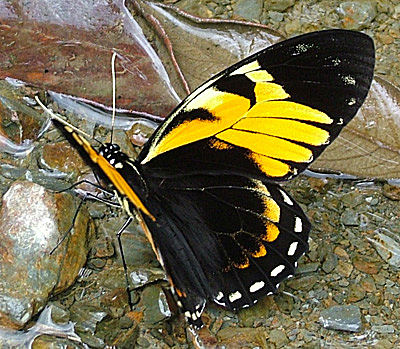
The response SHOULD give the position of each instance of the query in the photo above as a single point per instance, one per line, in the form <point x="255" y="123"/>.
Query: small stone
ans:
<point x="278" y="337"/>
<point x="248" y="9"/>
<point x="387" y="244"/>
<point x="350" y="218"/>
<point x="307" y="268"/>
<point x="330" y="263"/>
<point x="275" y="16"/>
<point x="340" y="252"/>
<point x="357" y="14"/>
<point x="341" y="317"/>
<point x="364" y="264"/>
<point x="383" y="328"/>
<point x="392" y="192"/>
<point x="368" y="284"/>
<point x="305" y="283"/>
<point x="278" y="5"/>
<point x="355" y="293"/>
<point x="344" y="268"/>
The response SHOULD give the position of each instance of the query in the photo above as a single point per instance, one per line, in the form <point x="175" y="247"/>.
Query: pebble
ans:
<point x="364" y="264"/>
<point x="383" y="328"/>
<point x="350" y="218"/>
<point x="278" y="337"/>
<point x="278" y="5"/>
<point x="341" y="317"/>
<point x="330" y="263"/>
<point x="32" y="221"/>
<point x="344" y="268"/>
<point x="357" y="15"/>
<point x="248" y="9"/>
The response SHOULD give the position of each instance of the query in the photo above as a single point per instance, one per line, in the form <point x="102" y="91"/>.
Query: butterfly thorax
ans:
<point x="130" y="172"/>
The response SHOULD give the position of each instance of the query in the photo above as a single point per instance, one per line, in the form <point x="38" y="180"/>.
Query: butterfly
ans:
<point x="206" y="184"/>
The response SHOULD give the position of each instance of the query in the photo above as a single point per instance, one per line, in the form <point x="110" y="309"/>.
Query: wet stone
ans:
<point x="278" y="337"/>
<point x="341" y="317"/>
<point x="63" y="157"/>
<point x="357" y="14"/>
<point x="278" y="5"/>
<point x="154" y="305"/>
<point x="383" y="328"/>
<point x="344" y="269"/>
<point x="307" y="268"/>
<point x="330" y="263"/>
<point x="305" y="283"/>
<point x="355" y="293"/>
<point x="366" y="264"/>
<point x="32" y="221"/>
<point x="350" y="218"/>
<point x="248" y="9"/>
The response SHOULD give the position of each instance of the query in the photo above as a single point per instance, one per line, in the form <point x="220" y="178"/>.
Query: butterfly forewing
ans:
<point x="270" y="115"/>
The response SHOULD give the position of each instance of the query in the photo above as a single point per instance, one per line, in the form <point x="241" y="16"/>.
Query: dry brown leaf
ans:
<point x="369" y="146"/>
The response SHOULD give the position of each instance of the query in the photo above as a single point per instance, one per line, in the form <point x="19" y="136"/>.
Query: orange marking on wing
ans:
<point x="260" y="253"/>
<point x="113" y="175"/>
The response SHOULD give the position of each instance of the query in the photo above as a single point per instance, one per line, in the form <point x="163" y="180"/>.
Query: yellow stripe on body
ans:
<point x="285" y="128"/>
<point x="113" y="175"/>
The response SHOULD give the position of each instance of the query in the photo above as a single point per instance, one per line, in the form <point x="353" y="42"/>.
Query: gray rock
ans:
<point x="341" y="317"/>
<point x="248" y="9"/>
<point x="278" y="5"/>
<point x="350" y="218"/>
<point x="357" y="14"/>
<point x="383" y="328"/>
<point x="32" y="221"/>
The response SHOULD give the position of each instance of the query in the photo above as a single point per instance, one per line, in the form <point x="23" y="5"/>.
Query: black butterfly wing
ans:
<point x="270" y="115"/>
<point x="228" y="239"/>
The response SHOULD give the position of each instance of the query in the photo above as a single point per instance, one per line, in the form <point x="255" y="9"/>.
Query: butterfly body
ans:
<point x="206" y="185"/>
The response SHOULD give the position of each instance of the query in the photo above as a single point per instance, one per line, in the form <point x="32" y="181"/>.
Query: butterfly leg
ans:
<point x="69" y="229"/>
<point x="124" y="226"/>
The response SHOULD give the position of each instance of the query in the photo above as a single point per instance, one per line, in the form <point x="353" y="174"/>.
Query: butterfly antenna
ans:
<point x="113" y="94"/>
<point x="64" y="122"/>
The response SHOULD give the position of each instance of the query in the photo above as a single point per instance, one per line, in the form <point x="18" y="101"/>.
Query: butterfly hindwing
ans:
<point x="270" y="115"/>
<point x="228" y="239"/>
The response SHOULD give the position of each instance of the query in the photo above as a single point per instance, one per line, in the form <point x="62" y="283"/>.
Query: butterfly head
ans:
<point x="112" y="153"/>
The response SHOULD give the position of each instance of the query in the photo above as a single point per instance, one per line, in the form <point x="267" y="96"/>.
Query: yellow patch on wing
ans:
<point x="260" y="253"/>
<point x="288" y="110"/>
<point x="267" y="91"/>
<point x="254" y="65"/>
<point x="226" y="108"/>
<point x="267" y="145"/>
<point x="259" y="75"/>
<point x="284" y="128"/>
<point x="113" y="175"/>
<point x="272" y="210"/>
<point x="271" y="167"/>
